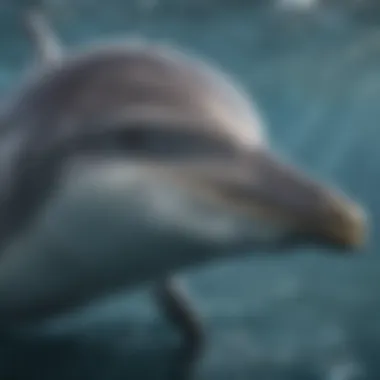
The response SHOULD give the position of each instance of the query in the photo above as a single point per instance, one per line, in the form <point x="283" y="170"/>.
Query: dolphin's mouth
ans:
<point x="264" y="188"/>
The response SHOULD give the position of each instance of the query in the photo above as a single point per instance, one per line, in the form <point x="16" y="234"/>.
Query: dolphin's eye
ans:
<point x="142" y="139"/>
<point x="135" y="139"/>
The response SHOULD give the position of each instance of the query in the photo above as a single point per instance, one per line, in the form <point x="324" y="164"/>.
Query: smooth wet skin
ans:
<point x="112" y="226"/>
<point x="134" y="162"/>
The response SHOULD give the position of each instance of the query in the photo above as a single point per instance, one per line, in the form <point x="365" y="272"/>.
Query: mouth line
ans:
<point x="338" y="222"/>
<point x="341" y="226"/>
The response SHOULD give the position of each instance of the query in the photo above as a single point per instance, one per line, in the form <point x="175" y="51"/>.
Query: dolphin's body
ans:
<point x="129" y="162"/>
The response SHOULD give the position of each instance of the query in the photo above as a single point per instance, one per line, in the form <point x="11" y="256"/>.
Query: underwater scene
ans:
<point x="312" y="69"/>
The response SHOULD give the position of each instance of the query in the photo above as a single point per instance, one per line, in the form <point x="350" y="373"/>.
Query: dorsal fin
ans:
<point x="45" y="43"/>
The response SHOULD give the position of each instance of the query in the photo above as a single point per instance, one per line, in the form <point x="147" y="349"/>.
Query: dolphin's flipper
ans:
<point x="45" y="42"/>
<point x="175" y="303"/>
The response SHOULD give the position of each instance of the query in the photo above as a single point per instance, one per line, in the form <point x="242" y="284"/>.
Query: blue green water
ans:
<point x="316" y="79"/>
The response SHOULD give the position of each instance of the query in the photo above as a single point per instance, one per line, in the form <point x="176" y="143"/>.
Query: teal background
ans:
<point x="315" y="75"/>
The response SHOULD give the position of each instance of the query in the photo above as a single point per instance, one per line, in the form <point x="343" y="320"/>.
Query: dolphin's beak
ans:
<point x="263" y="186"/>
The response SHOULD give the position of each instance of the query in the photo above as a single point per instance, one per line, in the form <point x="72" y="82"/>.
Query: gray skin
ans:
<point x="169" y="293"/>
<point x="187" y="142"/>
